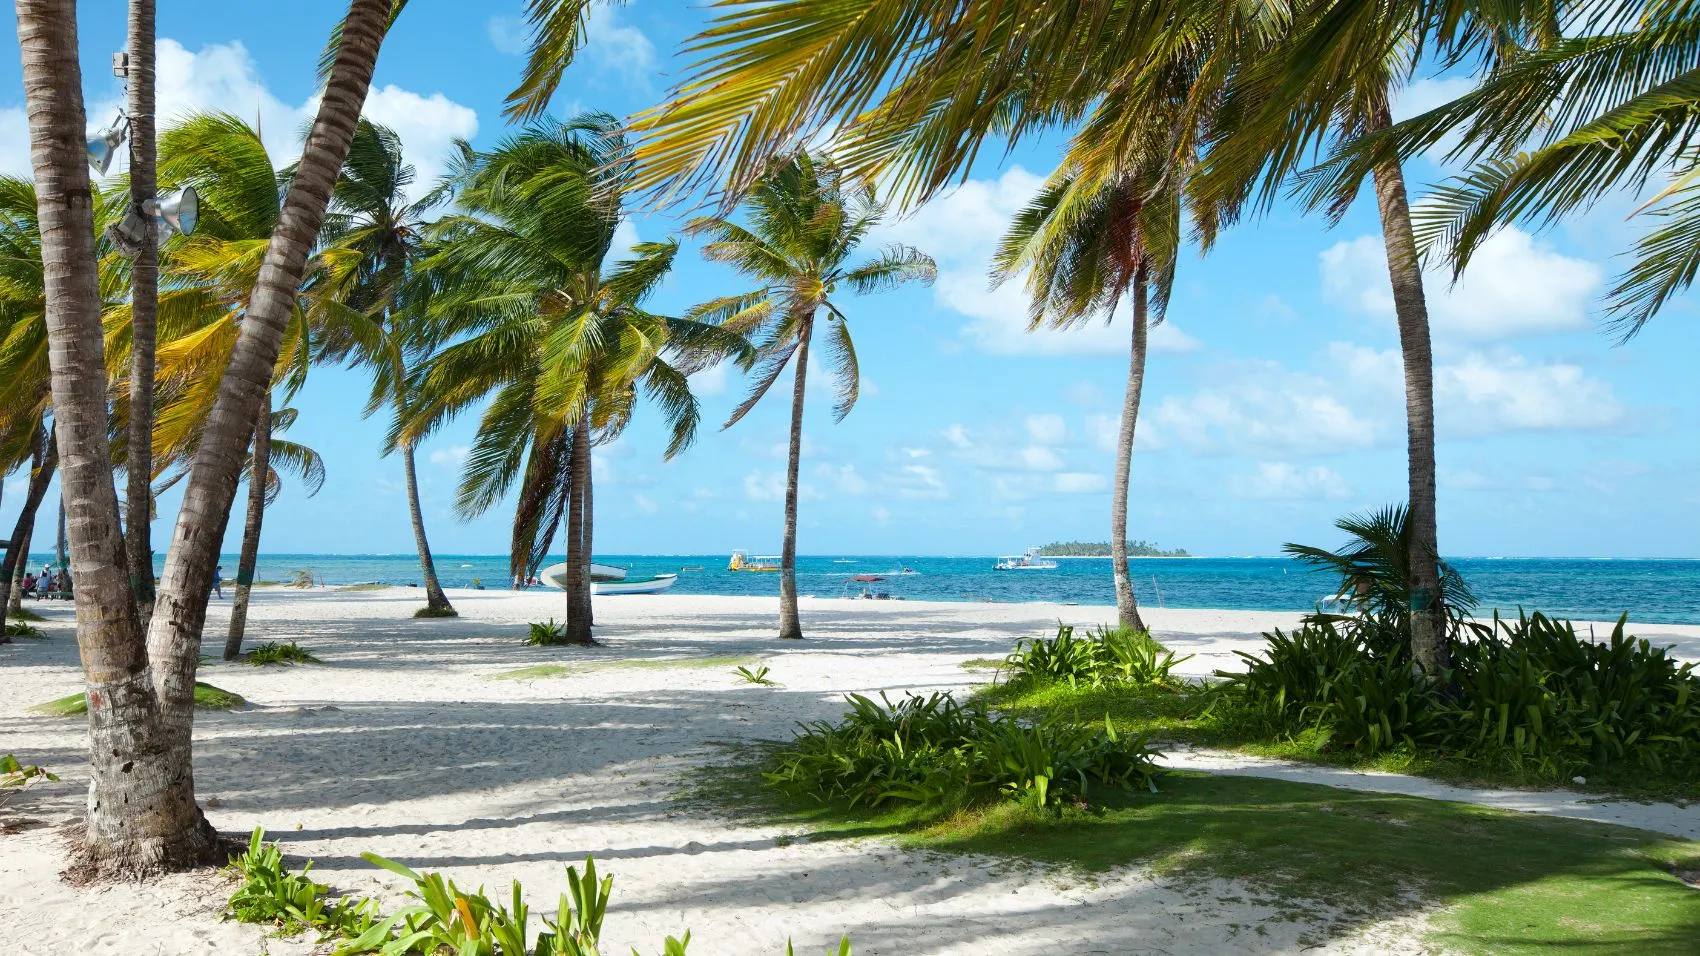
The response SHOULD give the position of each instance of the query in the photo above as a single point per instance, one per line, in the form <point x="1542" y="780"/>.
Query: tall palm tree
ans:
<point x="1560" y="124"/>
<point x="142" y="813"/>
<point x="144" y="297"/>
<point x="1084" y="246"/>
<point x="372" y="215"/>
<point x="805" y="222"/>
<point x="202" y="308"/>
<point x="551" y="333"/>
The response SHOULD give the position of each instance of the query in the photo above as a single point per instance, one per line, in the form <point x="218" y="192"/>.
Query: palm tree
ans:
<point x="913" y="90"/>
<point x="203" y="312"/>
<point x="142" y="812"/>
<point x="372" y="215"/>
<point x="805" y="223"/>
<point x="1083" y="246"/>
<point x="551" y="333"/>
<point x="144" y="297"/>
<point x="1560" y="124"/>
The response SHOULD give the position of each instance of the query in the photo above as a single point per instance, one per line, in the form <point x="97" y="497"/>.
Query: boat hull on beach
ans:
<point x="555" y="575"/>
<point x="654" y="585"/>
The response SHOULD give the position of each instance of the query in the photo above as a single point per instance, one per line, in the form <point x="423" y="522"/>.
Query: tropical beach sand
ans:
<point x="399" y="744"/>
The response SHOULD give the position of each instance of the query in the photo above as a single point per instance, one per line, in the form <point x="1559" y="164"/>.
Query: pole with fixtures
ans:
<point x="136" y="66"/>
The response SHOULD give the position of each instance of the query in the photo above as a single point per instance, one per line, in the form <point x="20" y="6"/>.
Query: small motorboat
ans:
<point x="555" y="575"/>
<point x="653" y="585"/>
<point x="1026" y="561"/>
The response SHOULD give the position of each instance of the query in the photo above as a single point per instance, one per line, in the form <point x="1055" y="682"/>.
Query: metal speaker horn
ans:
<point x="102" y="146"/>
<point x="179" y="212"/>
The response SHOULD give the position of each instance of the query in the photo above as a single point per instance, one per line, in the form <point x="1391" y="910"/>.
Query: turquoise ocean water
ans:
<point x="1652" y="591"/>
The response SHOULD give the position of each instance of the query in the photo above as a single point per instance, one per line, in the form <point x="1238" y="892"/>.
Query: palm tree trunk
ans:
<point x="1127" y="609"/>
<point x="144" y="303"/>
<point x="578" y="566"/>
<point x="589" y="538"/>
<point x="45" y="458"/>
<point x="1428" y="615"/>
<point x="180" y="607"/>
<point x="435" y="600"/>
<point x="790" y="627"/>
<point x="61" y="548"/>
<point x="142" y="815"/>
<point x="257" y="480"/>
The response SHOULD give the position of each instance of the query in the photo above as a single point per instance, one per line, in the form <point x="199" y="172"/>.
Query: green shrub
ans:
<point x="14" y="774"/>
<point x="443" y="919"/>
<point x="546" y="634"/>
<point x="757" y="676"/>
<point x="272" y="654"/>
<point x="21" y="629"/>
<point x="290" y="901"/>
<point x="1531" y="694"/>
<point x="429" y="611"/>
<point x="936" y="753"/>
<point x="1106" y="655"/>
<point x="25" y="614"/>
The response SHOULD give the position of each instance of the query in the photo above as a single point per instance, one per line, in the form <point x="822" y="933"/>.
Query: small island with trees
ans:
<point x="1101" y="549"/>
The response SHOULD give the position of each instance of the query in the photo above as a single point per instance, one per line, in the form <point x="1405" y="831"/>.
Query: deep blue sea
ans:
<point x="1652" y="591"/>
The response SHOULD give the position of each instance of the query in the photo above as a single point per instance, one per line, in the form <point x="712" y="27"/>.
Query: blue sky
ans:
<point x="1273" y="398"/>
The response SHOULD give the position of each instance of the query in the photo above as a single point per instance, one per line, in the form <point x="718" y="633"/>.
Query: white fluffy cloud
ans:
<point x="1514" y="286"/>
<point x="1040" y="458"/>
<point x="450" y="457"/>
<point x="223" y="77"/>
<point x="617" y="46"/>
<point x="1260" y="405"/>
<point x="1505" y="392"/>
<point x="960" y="229"/>
<point x="1078" y="483"/>
<point x="920" y="482"/>
<point x="1283" y="480"/>
<point x="1047" y="429"/>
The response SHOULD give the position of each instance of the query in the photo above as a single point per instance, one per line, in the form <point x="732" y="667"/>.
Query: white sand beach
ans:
<point x="399" y="744"/>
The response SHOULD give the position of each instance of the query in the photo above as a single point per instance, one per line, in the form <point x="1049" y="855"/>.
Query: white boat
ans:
<point x="1027" y="561"/>
<point x="555" y="575"/>
<point x="658" y="583"/>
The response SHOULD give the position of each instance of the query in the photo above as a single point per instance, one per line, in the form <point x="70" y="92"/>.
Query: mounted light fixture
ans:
<point x="102" y="146"/>
<point x="179" y="212"/>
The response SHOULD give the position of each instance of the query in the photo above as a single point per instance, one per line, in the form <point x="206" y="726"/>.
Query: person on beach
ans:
<point x="29" y="586"/>
<point x="218" y="580"/>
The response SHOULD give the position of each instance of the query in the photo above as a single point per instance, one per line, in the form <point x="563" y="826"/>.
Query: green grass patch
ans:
<point x="982" y="664"/>
<point x="1194" y="713"/>
<point x="372" y="586"/>
<point x="207" y="697"/>
<point x="532" y="673"/>
<point x="538" y="671"/>
<point x="436" y="612"/>
<point x="24" y="614"/>
<point x="1502" y="882"/>
<point x="21" y="629"/>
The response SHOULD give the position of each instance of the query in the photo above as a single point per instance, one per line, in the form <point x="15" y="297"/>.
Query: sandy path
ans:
<point x="400" y="746"/>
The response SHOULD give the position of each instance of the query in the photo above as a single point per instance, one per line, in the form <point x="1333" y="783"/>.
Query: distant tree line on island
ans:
<point x="1101" y="549"/>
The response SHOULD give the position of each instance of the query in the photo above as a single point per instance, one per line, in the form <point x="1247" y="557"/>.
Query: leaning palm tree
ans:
<point x="201" y="312"/>
<point x="805" y="222"/>
<point x="372" y="215"/>
<point x="1084" y="245"/>
<point x="551" y="333"/>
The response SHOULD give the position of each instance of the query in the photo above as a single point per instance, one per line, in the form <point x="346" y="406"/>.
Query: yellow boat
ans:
<point x="742" y="562"/>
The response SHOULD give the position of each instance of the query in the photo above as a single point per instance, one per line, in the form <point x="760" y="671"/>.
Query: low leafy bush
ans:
<point x="14" y="774"/>
<point x="21" y="629"/>
<point x="757" y="676"/>
<point x="544" y="634"/>
<point x="1106" y="655"/>
<point x="429" y="611"/>
<point x="271" y="894"/>
<point x="272" y="654"/>
<point x="936" y="753"/>
<point x="443" y="919"/>
<point x="1529" y="694"/>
